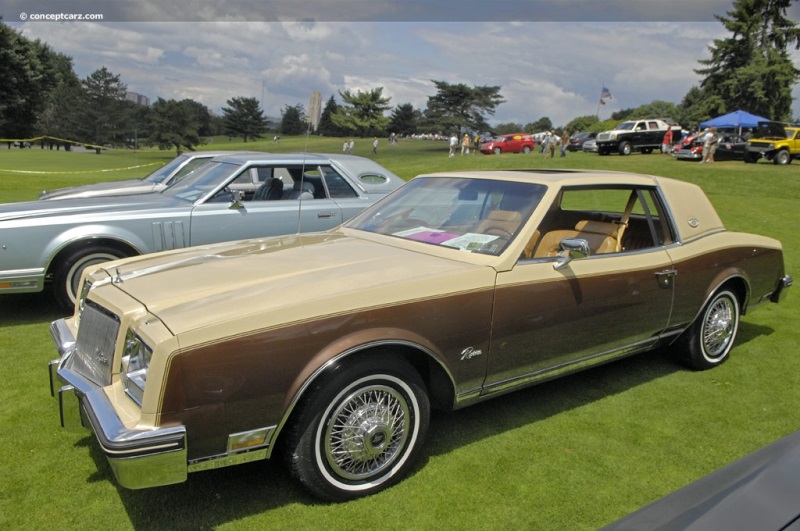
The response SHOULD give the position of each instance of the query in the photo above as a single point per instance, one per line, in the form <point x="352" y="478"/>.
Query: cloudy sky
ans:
<point x="550" y="58"/>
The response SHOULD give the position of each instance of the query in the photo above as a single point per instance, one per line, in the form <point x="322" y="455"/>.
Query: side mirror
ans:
<point x="236" y="199"/>
<point x="572" y="249"/>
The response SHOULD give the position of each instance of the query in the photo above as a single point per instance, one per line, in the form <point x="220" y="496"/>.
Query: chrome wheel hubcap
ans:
<point x="718" y="328"/>
<point x="367" y="432"/>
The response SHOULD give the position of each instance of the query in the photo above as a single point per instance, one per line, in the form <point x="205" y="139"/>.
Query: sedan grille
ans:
<point x="94" y="353"/>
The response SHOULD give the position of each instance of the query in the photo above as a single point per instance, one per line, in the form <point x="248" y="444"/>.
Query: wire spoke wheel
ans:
<point x="366" y="432"/>
<point x="718" y="328"/>
<point x="360" y="428"/>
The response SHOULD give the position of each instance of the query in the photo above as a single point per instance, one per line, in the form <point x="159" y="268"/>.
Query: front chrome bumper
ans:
<point x="139" y="458"/>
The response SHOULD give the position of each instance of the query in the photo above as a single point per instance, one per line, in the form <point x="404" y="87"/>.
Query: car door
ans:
<point x="549" y="320"/>
<point x="221" y="219"/>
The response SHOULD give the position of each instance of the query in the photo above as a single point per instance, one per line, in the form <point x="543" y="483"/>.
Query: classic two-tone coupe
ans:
<point x="329" y="349"/>
<point x="230" y="197"/>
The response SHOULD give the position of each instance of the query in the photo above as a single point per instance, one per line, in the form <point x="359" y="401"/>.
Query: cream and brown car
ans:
<point x="329" y="349"/>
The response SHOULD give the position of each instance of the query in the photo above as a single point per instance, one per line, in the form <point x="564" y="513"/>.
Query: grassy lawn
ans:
<point x="575" y="453"/>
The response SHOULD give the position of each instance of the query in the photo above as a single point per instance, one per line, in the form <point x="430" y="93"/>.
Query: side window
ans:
<point x="611" y="220"/>
<point x="336" y="185"/>
<point x="244" y="177"/>
<point x="653" y="125"/>
<point x="263" y="173"/>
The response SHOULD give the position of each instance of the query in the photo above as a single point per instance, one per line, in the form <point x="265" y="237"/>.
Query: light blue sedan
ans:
<point x="231" y="197"/>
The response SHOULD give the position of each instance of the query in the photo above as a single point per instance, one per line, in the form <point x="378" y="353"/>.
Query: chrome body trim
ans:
<point x="779" y="295"/>
<point x="22" y="280"/>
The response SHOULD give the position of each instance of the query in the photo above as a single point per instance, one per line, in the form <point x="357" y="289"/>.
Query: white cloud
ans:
<point x="553" y="69"/>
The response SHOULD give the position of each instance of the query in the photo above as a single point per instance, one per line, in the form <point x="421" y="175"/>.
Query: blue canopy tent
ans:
<point x="735" y="120"/>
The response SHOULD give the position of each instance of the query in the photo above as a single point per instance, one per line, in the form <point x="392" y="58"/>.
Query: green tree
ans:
<point x="540" y="125"/>
<point x="202" y="116"/>
<point x="105" y="113"/>
<point x="326" y="125"/>
<point x="693" y="109"/>
<point x="243" y="117"/>
<point x="174" y="124"/>
<point x="404" y="119"/>
<point x="461" y="107"/>
<point x="362" y="112"/>
<point x="583" y="123"/>
<point x="293" y="120"/>
<point x="29" y="71"/>
<point x="508" y="127"/>
<point x="752" y="69"/>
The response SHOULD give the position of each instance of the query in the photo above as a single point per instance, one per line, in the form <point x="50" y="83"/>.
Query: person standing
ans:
<point x="351" y="146"/>
<point x="710" y="145"/>
<point x="453" y="144"/>
<point x="666" y="143"/>
<point x="465" y="145"/>
<point x="375" y="146"/>
<point x="564" y="142"/>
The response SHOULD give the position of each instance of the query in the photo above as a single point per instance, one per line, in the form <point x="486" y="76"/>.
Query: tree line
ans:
<point x="751" y="69"/>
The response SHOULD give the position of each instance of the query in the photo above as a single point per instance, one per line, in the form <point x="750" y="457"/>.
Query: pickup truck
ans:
<point x="774" y="141"/>
<point x="633" y="135"/>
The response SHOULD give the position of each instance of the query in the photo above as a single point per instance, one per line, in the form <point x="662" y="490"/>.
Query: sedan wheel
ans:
<point x="709" y="340"/>
<point x="497" y="151"/>
<point x="67" y="275"/>
<point x="360" y="430"/>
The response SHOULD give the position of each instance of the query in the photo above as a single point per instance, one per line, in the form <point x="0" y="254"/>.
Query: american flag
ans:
<point x="605" y="93"/>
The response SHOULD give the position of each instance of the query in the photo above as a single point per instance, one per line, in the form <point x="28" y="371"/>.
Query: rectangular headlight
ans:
<point x="135" y="364"/>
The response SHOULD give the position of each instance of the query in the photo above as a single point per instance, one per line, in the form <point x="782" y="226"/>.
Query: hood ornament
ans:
<point x="117" y="279"/>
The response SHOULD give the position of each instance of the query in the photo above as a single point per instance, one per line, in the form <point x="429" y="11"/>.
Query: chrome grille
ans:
<point x="97" y="335"/>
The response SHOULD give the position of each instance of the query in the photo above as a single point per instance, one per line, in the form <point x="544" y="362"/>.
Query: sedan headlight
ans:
<point x="135" y="364"/>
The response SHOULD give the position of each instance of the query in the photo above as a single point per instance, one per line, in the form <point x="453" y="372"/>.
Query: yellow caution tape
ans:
<point x="82" y="171"/>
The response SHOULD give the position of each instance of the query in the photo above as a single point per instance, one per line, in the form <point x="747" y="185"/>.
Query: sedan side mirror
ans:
<point x="236" y="199"/>
<point x="571" y="249"/>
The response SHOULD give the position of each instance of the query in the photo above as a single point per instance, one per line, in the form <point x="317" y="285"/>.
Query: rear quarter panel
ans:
<point x="704" y="264"/>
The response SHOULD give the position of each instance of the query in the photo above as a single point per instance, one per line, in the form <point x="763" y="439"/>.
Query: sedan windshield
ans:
<point x="206" y="179"/>
<point x="474" y="215"/>
<point x="158" y="176"/>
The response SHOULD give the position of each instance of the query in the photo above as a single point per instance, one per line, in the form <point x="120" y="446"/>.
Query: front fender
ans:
<point x="82" y="233"/>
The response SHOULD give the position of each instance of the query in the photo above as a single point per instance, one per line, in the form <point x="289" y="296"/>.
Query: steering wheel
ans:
<point x="499" y="231"/>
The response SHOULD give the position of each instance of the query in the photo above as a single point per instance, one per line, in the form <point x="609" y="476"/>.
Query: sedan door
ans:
<point x="222" y="219"/>
<point x="613" y="303"/>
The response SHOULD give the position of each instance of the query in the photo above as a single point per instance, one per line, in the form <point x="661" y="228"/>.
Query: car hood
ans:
<point x="83" y="206"/>
<point x="285" y="279"/>
<point x="87" y="190"/>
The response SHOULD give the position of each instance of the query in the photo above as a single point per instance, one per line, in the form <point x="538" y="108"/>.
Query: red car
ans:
<point x="512" y="143"/>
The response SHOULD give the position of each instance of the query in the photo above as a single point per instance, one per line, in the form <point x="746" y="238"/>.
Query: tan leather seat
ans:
<point x="602" y="238"/>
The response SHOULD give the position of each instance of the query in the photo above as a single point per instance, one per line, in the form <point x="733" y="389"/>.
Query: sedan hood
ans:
<point x="83" y="206"/>
<point x="130" y="186"/>
<point x="285" y="279"/>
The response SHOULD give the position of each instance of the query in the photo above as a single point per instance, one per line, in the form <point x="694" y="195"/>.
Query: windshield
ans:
<point x="199" y="183"/>
<point x="625" y="126"/>
<point x="474" y="215"/>
<point x="164" y="171"/>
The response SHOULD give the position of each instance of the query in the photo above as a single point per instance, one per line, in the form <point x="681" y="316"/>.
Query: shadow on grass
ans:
<point x="29" y="308"/>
